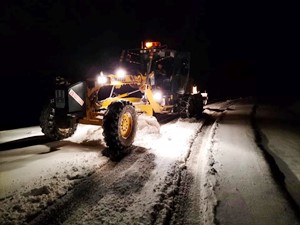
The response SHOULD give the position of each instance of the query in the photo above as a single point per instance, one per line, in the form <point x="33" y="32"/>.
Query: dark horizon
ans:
<point x="237" y="48"/>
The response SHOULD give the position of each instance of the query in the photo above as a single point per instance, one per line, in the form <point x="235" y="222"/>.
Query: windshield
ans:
<point x="136" y="61"/>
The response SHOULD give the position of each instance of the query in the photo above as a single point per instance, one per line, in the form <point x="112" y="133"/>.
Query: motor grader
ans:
<point x="114" y="100"/>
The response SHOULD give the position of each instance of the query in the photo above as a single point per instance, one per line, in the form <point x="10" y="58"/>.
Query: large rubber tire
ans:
<point x="198" y="103"/>
<point x="205" y="100"/>
<point x="50" y="127"/>
<point x="119" y="128"/>
<point x="186" y="106"/>
<point x="191" y="106"/>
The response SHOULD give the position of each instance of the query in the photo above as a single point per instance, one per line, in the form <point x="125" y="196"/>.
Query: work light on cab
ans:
<point x="195" y="90"/>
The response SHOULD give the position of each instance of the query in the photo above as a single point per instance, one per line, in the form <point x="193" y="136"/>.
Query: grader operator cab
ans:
<point x="152" y="79"/>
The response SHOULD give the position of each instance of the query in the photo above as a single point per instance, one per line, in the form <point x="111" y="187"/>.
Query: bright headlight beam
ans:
<point x="120" y="73"/>
<point x="101" y="79"/>
<point x="157" y="96"/>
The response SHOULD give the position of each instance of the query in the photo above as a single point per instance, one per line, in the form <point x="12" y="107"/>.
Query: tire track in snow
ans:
<point x="105" y="195"/>
<point x="201" y="180"/>
<point x="163" y="210"/>
<point x="176" y="185"/>
<point x="101" y="199"/>
<point x="198" y="175"/>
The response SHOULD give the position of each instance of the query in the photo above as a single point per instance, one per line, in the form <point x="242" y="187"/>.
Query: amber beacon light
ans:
<point x="151" y="44"/>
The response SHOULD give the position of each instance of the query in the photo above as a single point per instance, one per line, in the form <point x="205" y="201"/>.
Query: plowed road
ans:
<point x="187" y="171"/>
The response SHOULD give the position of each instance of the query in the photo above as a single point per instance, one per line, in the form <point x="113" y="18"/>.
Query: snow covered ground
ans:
<point x="237" y="165"/>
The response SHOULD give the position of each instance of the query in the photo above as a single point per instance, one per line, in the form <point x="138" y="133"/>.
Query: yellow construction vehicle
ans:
<point x="113" y="101"/>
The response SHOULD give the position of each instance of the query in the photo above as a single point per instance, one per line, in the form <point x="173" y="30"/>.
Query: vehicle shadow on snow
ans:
<point x="214" y="109"/>
<point x="24" y="142"/>
<point x="166" y="118"/>
<point x="52" y="145"/>
<point x="116" y="155"/>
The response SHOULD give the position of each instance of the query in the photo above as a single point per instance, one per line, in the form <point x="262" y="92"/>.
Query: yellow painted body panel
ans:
<point x="95" y="109"/>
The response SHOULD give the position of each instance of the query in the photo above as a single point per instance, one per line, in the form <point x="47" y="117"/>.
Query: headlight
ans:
<point x="102" y="79"/>
<point x="120" y="73"/>
<point x="157" y="96"/>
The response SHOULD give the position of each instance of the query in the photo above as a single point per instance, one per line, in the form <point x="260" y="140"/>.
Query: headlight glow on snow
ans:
<point x="101" y="79"/>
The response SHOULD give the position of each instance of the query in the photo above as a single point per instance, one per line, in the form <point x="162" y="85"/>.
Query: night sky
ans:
<point x="238" y="48"/>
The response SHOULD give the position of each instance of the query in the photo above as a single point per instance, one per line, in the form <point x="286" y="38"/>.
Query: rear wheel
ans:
<point x="52" y="128"/>
<point x="191" y="106"/>
<point x="119" y="128"/>
<point x="186" y="106"/>
<point x="198" y="103"/>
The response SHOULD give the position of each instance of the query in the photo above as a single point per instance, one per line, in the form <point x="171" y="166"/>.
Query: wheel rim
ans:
<point x="126" y="125"/>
